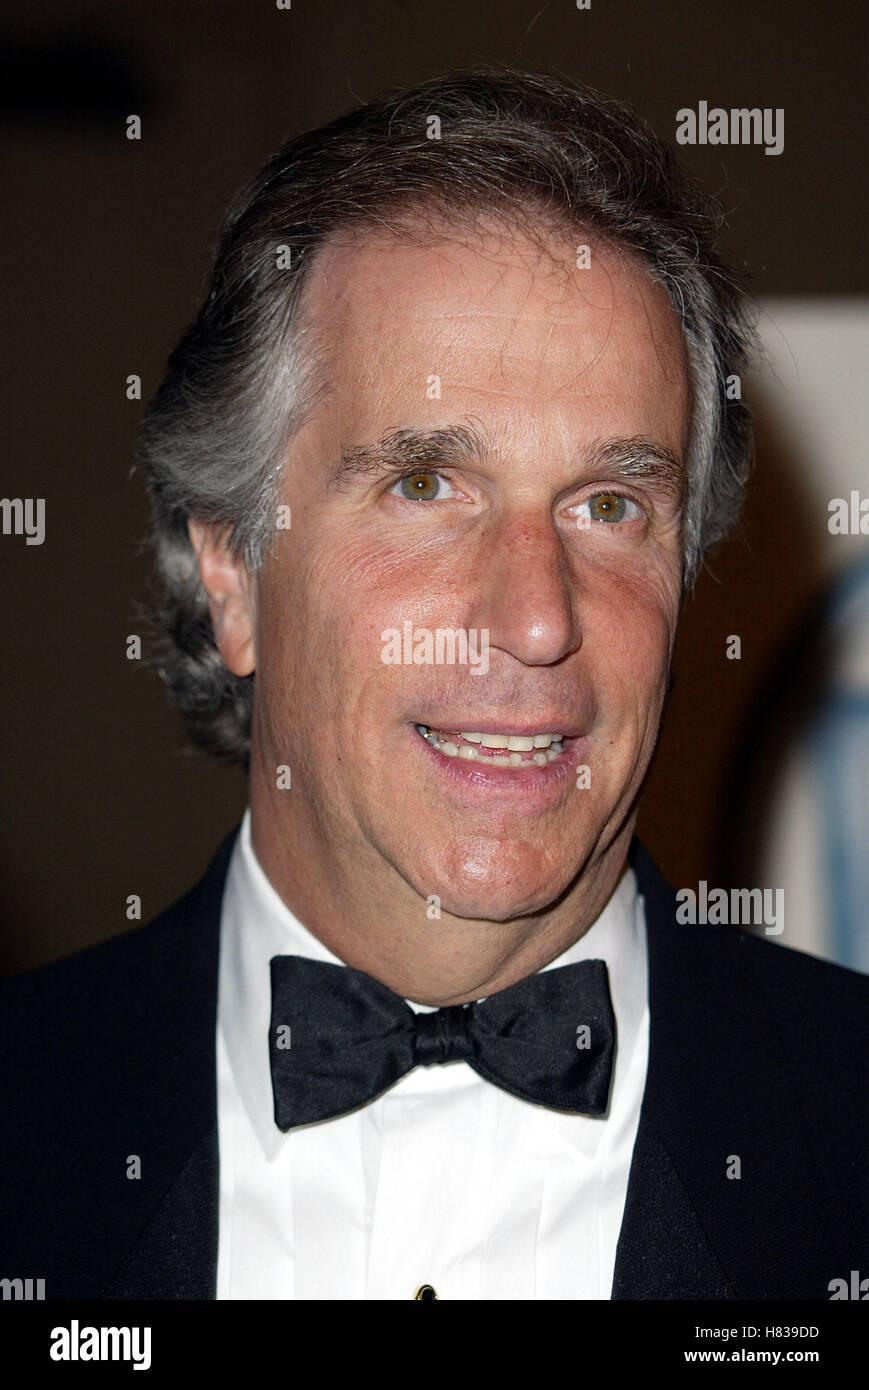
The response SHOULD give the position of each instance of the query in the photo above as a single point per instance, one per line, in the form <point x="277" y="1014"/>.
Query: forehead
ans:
<point x="502" y="322"/>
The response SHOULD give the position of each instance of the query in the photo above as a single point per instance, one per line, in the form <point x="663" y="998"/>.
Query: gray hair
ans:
<point x="525" y="148"/>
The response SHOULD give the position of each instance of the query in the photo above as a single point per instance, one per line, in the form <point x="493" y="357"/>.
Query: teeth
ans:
<point x="516" y="743"/>
<point x="545" y="748"/>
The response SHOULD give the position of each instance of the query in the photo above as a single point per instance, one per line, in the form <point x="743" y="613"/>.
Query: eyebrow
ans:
<point x="636" y="458"/>
<point x="643" y="459"/>
<point x="412" y="448"/>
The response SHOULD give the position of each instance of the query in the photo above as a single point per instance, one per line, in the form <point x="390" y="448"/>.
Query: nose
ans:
<point x="529" y="598"/>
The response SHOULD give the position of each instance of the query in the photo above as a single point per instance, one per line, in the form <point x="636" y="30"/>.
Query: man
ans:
<point x="432" y="472"/>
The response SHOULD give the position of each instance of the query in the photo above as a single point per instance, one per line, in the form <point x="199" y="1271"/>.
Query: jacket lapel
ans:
<point x="174" y="1254"/>
<point x="663" y="1251"/>
<point x="720" y="1186"/>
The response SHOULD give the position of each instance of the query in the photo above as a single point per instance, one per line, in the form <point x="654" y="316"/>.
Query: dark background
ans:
<point x="105" y="250"/>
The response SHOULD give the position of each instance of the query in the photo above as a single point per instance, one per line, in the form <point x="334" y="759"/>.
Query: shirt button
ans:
<point x="426" y="1293"/>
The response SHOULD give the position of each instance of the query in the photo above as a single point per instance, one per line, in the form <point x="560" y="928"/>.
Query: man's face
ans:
<point x="526" y="524"/>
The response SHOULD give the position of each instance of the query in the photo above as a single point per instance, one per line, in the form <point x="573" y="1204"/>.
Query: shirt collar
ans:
<point x="256" y="925"/>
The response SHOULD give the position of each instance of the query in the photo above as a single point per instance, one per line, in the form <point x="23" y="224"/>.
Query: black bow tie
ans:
<point x="338" y="1038"/>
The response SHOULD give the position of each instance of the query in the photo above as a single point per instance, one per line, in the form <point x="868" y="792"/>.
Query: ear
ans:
<point x="227" y="583"/>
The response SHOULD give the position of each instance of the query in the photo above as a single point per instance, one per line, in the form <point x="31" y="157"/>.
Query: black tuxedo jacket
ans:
<point x="757" y="1053"/>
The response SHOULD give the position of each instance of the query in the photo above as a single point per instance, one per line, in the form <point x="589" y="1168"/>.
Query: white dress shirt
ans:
<point x="445" y="1179"/>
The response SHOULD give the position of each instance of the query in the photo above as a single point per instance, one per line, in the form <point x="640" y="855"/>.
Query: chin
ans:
<point x="497" y="906"/>
<point x="480" y="884"/>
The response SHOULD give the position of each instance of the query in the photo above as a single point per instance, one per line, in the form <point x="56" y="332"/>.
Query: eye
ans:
<point x="610" y="507"/>
<point x="422" y="487"/>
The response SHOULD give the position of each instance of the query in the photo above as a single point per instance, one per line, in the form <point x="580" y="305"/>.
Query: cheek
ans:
<point x="323" y="612"/>
<point x="629" y="638"/>
<point x="359" y="586"/>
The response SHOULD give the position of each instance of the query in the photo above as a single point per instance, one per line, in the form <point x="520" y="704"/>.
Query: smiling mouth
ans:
<point x="496" y="750"/>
